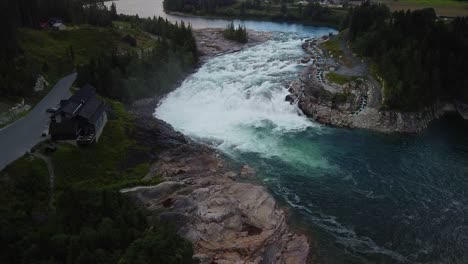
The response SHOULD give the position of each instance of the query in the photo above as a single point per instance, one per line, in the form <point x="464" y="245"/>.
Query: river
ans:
<point x="362" y="196"/>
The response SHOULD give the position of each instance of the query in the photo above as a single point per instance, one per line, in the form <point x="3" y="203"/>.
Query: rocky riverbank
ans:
<point x="228" y="219"/>
<point x="211" y="42"/>
<point x="355" y="103"/>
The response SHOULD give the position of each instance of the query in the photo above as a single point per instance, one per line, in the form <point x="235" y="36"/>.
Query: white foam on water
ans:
<point x="238" y="101"/>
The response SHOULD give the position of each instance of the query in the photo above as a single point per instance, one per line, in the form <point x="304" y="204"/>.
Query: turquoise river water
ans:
<point x="362" y="196"/>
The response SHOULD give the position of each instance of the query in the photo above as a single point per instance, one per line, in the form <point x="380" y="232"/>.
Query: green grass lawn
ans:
<point x="340" y="79"/>
<point x="103" y="165"/>
<point x="51" y="47"/>
<point x="333" y="47"/>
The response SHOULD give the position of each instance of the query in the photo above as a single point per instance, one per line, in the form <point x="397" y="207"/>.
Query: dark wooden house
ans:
<point x="81" y="118"/>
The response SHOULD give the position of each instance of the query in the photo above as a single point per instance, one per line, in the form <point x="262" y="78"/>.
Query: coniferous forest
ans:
<point x="238" y="34"/>
<point x="131" y="76"/>
<point x="421" y="58"/>
<point x="86" y="223"/>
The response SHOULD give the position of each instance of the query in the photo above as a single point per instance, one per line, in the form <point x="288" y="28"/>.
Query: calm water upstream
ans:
<point x="364" y="197"/>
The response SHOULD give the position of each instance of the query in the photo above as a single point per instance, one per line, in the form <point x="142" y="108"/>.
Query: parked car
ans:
<point x="51" y="110"/>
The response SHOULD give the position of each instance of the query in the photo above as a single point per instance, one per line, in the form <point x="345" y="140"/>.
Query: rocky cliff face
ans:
<point x="326" y="109"/>
<point x="227" y="220"/>
<point x="357" y="103"/>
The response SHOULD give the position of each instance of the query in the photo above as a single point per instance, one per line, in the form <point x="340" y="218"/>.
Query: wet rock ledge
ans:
<point x="227" y="220"/>
<point x="211" y="42"/>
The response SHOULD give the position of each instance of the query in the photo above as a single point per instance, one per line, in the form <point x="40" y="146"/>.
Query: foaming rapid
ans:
<point x="366" y="197"/>
<point x="237" y="101"/>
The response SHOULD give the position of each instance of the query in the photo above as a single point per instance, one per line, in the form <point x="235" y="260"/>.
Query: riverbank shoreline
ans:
<point x="256" y="18"/>
<point x="214" y="205"/>
<point x="357" y="102"/>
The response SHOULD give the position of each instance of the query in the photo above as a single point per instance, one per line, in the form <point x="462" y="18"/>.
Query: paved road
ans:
<point x="19" y="137"/>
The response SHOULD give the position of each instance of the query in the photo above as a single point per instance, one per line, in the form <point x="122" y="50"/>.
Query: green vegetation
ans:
<point x="19" y="64"/>
<point x="90" y="222"/>
<point x="103" y="165"/>
<point x="27" y="180"/>
<point x="279" y="10"/>
<point x="12" y="118"/>
<point x="129" y="57"/>
<point x="51" y="49"/>
<point x="340" y="79"/>
<point x="151" y="69"/>
<point x="238" y="34"/>
<point x="420" y="58"/>
<point x="448" y="8"/>
<point x="333" y="47"/>
<point x="334" y="50"/>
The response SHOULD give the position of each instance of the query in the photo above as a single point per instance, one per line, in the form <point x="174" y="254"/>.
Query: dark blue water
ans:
<point x="380" y="198"/>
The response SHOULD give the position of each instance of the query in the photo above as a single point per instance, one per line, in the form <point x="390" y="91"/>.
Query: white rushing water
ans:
<point x="237" y="101"/>
<point x="349" y="186"/>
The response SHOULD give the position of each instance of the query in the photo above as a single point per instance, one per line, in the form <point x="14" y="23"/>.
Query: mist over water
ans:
<point x="365" y="197"/>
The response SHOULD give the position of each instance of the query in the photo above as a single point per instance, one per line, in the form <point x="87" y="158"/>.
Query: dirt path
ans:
<point x="360" y="68"/>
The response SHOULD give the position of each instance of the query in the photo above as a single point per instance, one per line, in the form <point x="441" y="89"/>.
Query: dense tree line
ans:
<point x="314" y="11"/>
<point x="150" y="72"/>
<point x="206" y="6"/>
<point x="238" y="34"/>
<point x="421" y="58"/>
<point x="84" y="227"/>
<point x="181" y="35"/>
<point x="276" y="10"/>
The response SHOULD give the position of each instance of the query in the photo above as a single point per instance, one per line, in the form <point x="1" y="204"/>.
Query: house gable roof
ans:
<point x="84" y="103"/>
